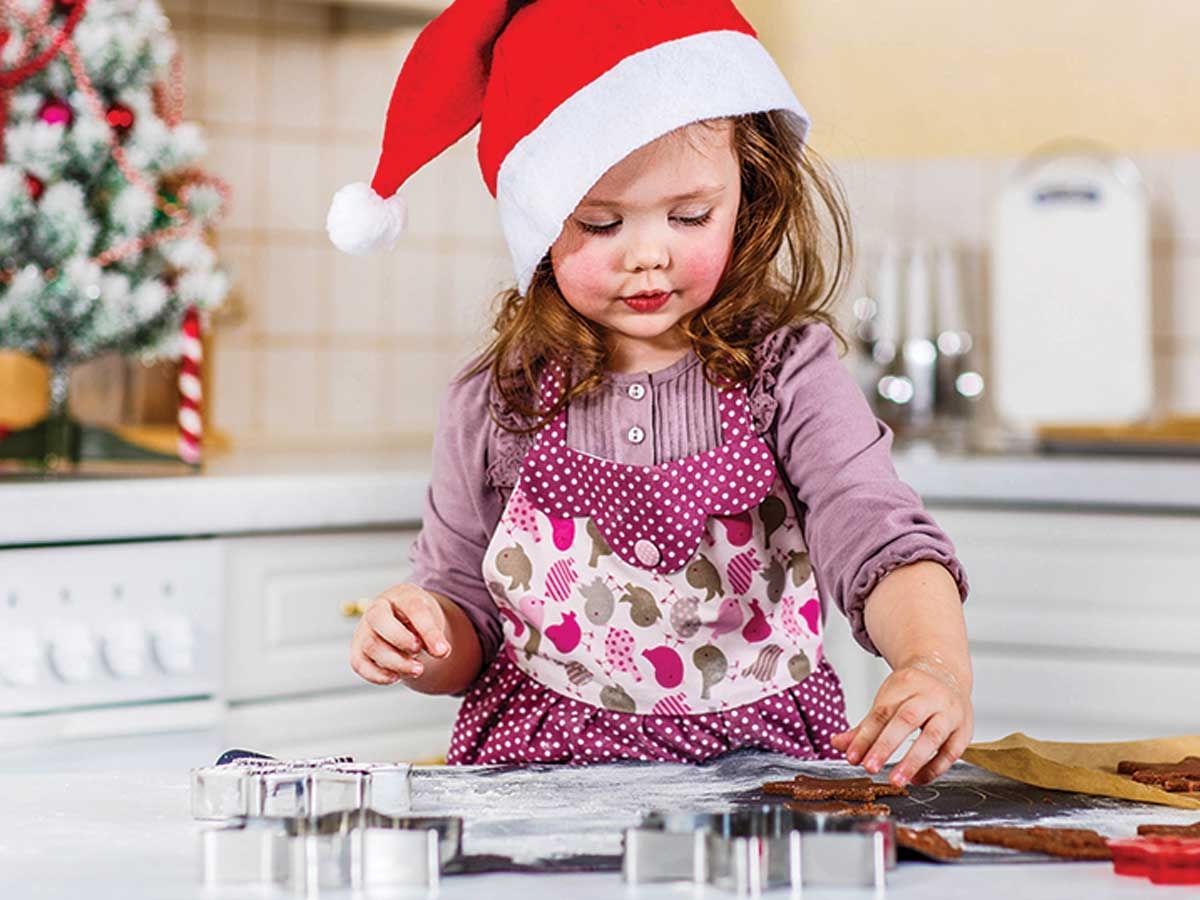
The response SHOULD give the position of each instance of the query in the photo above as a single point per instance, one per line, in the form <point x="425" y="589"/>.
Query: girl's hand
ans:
<point x="396" y="628"/>
<point x="923" y="694"/>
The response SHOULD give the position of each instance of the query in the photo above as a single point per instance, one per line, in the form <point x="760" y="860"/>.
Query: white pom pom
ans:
<point x="360" y="221"/>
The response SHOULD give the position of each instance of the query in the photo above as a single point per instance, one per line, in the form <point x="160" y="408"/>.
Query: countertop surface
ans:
<point x="110" y="819"/>
<point x="295" y="491"/>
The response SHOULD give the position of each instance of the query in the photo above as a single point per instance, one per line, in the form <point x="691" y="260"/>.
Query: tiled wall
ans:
<point x="326" y="349"/>
<point x="331" y="350"/>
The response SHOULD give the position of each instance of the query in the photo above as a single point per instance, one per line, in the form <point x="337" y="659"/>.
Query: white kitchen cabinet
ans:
<point x="1083" y="625"/>
<point x="288" y="681"/>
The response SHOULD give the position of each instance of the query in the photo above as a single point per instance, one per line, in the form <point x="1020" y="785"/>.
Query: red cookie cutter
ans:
<point x="1164" y="860"/>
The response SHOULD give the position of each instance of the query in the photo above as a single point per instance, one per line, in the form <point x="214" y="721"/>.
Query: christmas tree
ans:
<point x="103" y="213"/>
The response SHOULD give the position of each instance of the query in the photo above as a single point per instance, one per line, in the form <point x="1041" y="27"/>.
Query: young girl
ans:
<point x="649" y="486"/>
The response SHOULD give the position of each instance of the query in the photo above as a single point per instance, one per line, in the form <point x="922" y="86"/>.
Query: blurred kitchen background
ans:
<point x="926" y="110"/>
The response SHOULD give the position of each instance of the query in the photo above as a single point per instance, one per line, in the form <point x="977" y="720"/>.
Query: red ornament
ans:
<point x="55" y="112"/>
<point x="35" y="185"/>
<point x="120" y="119"/>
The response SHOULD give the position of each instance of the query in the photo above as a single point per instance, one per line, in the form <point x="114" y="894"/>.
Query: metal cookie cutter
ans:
<point x="281" y="789"/>
<point x="754" y="849"/>
<point x="356" y="849"/>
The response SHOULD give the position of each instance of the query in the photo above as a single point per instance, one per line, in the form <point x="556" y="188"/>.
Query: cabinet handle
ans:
<point x="353" y="609"/>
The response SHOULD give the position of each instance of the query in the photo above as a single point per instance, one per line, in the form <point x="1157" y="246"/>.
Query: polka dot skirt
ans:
<point x="508" y="717"/>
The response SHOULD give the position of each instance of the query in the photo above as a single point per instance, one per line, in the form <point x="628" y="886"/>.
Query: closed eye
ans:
<point x="590" y="228"/>
<point x="611" y="227"/>
<point x="694" y="221"/>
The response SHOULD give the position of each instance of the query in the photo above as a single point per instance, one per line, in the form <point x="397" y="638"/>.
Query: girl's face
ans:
<point x="645" y="248"/>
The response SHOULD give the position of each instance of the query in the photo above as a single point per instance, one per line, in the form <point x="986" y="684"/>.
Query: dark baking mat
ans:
<point x="562" y="818"/>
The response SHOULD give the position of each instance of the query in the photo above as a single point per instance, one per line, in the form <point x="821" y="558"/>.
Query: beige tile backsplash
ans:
<point x="332" y="350"/>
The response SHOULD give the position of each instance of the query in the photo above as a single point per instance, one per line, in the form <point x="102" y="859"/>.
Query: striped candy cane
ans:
<point x="190" y="426"/>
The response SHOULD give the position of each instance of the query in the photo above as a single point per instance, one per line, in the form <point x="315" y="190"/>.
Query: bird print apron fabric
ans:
<point x="677" y="589"/>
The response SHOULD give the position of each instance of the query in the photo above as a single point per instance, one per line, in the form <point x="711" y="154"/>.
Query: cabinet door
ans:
<point x="1082" y="625"/>
<point x="286" y="633"/>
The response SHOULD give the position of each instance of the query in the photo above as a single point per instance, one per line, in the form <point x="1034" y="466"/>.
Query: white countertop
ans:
<point x="110" y="819"/>
<point x="240" y="494"/>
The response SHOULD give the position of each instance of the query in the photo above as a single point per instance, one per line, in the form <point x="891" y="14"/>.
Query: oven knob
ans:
<point x="73" y="653"/>
<point x="174" y="642"/>
<point x="124" y="648"/>
<point x="19" y="652"/>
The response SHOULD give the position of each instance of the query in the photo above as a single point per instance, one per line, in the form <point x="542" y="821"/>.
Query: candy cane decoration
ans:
<point x="190" y="427"/>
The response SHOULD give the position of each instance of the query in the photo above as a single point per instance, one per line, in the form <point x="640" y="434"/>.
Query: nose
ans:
<point x="647" y="250"/>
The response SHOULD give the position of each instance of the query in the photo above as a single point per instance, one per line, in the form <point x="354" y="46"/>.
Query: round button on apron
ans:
<point x="636" y="435"/>
<point x="646" y="552"/>
<point x="636" y="391"/>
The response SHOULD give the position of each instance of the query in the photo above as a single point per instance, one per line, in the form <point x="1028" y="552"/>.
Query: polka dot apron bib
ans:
<point x="675" y="589"/>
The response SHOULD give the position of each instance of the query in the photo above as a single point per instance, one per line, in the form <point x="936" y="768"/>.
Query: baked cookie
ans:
<point x="1068" y="843"/>
<point x="840" y="808"/>
<point x="805" y="787"/>
<point x="1129" y="766"/>
<point x="926" y="841"/>
<point x="1179" y="777"/>
<point x="1184" y="831"/>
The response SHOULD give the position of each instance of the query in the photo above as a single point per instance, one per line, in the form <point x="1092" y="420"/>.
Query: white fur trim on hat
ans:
<point x="705" y="76"/>
<point x="360" y="221"/>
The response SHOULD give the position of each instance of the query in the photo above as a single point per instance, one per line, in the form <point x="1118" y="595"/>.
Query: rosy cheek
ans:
<point x="704" y="266"/>
<point x="581" y="273"/>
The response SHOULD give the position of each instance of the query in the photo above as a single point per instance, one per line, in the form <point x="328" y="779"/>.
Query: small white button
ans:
<point x="637" y="391"/>
<point x="647" y="553"/>
<point x="73" y="653"/>
<point x="124" y="647"/>
<point x="636" y="435"/>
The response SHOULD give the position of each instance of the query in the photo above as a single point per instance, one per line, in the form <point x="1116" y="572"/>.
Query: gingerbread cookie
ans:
<point x="1184" y="831"/>
<point x="1178" y="777"/>
<point x="1068" y="843"/>
<point x="805" y="787"/>
<point x="927" y="842"/>
<point x="841" y="808"/>
<point x="1129" y="766"/>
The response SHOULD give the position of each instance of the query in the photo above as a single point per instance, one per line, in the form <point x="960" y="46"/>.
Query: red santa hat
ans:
<point x="563" y="90"/>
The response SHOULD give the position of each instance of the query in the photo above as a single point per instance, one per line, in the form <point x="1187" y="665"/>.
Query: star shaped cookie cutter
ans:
<point x="360" y="849"/>
<point x="279" y="788"/>
<point x="754" y="849"/>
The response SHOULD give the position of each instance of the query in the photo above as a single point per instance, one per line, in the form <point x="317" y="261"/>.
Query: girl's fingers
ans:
<point x="843" y="740"/>
<point x="935" y="768"/>
<point x="866" y="731"/>
<point x="387" y="657"/>
<point x="910" y="715"/>
<point x="934" y="735"/>
<point x="426" y="619"/>
<point x="367" y="670"/>
<point x="951" y="751"/>
<point x="382" y="620"/>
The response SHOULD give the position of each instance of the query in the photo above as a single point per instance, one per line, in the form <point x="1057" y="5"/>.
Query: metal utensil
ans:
<point x="355" y="848"/>
<point x="751" y="850"/>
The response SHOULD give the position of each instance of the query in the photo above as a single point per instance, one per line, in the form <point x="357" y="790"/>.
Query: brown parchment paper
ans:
<point x="1087" y="768"/>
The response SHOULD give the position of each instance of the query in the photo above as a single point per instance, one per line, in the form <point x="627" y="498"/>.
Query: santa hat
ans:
<point x="563" y="91"/>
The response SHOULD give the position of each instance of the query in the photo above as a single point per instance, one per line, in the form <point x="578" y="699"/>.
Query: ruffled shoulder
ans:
<point x="769" y="357"/>
<point x="507" y="449"/>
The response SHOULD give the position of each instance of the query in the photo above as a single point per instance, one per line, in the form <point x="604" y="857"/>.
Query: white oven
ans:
<point x="239" y="640"/>
<point x="110" y="639"/>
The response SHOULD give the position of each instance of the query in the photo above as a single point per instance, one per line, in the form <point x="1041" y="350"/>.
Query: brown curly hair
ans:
<point x="793" y="211"/>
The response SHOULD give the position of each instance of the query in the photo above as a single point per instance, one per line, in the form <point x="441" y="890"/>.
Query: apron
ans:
<point x="677" y="589"/>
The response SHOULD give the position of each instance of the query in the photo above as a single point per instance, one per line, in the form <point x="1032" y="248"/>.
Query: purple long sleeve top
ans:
<point x="860" y="520"/>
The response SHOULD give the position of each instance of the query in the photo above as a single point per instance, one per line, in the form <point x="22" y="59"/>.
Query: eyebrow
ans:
<point x="698" y="193"/>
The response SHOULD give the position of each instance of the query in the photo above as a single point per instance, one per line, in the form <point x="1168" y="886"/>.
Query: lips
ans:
<point x="647" y="302"/>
